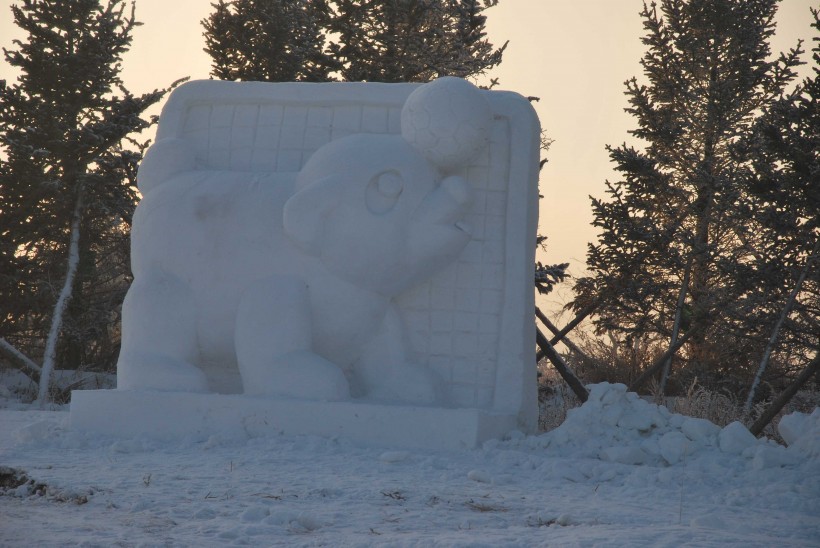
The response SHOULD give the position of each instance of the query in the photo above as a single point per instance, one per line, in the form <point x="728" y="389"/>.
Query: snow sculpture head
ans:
<point x="382" y="219"/>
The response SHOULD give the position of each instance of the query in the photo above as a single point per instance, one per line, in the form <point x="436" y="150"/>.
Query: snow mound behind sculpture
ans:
<point x="618" y="426"/>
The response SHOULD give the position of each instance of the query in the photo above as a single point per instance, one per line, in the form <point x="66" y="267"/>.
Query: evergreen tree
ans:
<point x="67" y="181"/>
<point x="269" y="40"/>
<point x="411" y="41"/>
<point x="372" y="40"/>
<point x="671" y="252"/>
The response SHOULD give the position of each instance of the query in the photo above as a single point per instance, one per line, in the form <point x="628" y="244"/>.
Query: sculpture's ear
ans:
<point x="305" y="212"/>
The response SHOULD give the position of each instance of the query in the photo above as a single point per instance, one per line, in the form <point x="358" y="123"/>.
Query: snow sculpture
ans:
<point x="310" y="245"/>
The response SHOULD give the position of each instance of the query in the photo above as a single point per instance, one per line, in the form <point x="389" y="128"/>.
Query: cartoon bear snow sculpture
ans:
<point x="292" y="276"/>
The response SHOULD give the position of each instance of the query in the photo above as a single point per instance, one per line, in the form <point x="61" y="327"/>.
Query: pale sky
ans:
<point x="574" y="55"/>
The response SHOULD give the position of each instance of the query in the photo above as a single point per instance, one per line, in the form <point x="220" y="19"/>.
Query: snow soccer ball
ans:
<point x="448" y="121"/>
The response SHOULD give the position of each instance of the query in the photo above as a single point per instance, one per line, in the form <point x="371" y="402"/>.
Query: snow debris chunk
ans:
<point x="565" y="520"/>
<point x="625" y="455"/>
<point x="773" y="456"/>
<point x="304" y="523"/>
<point x="606" y="393"/>
<point x="37" y="432"/>
<point x="792" y="426"/>
<point x="479" y="476"/>
<point x="801" y="432"/>
<point x="642" y="418"/>
<point x="735" y="438"/>
<point x="254" y="514"/>
<point x="394" y="456"/>
<point x="699" y="429"/>
<point x="673" y="446"/>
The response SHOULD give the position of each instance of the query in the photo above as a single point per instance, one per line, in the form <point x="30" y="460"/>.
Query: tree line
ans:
<point x="708" y="249"/>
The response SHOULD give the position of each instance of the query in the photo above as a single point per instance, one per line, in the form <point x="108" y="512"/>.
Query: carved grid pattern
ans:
<point x="452" y="320"/>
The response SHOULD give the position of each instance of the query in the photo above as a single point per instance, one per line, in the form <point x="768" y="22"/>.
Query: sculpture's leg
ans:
<point x="159" y="342"/>
<point x="274" y="345"/>
<point x="387" y="373"/>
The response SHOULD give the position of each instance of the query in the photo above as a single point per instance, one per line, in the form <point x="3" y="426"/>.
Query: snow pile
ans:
<point x="801" y="432"/>
<point x="618" y="426"/>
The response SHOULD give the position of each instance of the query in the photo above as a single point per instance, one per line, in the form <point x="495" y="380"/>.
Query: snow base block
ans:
<point x="175" y="415"/>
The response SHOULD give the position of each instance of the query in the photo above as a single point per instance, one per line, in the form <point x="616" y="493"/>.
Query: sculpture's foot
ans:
<point x="410" y="384"/>
<point x="145" y="371"/>
<point x="300" y="374"/>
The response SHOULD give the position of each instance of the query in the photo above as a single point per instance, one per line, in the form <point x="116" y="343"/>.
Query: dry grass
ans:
<point x="723" y="408"/>
<point x="555" y="398"/>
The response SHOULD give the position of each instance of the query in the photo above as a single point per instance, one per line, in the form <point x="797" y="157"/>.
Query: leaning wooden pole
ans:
<point x="561" y="366"/>
<point x="24" y="363"/>
<point x="579" y="317"/>
<point x="785" y="396"/>
<point x="554" y="329"/>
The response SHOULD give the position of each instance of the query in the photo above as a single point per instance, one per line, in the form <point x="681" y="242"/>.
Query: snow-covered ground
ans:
<point x="618" y="472"/>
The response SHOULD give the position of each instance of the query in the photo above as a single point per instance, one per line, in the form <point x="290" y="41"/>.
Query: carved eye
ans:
<point x="390" y="184"/>
<point x="383" y="191"/>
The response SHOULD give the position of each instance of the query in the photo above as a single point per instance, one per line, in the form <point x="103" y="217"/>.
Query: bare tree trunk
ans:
<point x="684" y="287"/>
<point x="62" y="302"/>
<point x="764" y="361"/>
<point x="785" y="396"/>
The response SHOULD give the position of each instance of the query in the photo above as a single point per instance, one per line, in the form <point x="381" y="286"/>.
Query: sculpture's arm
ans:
<point x="164" y="159"/>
